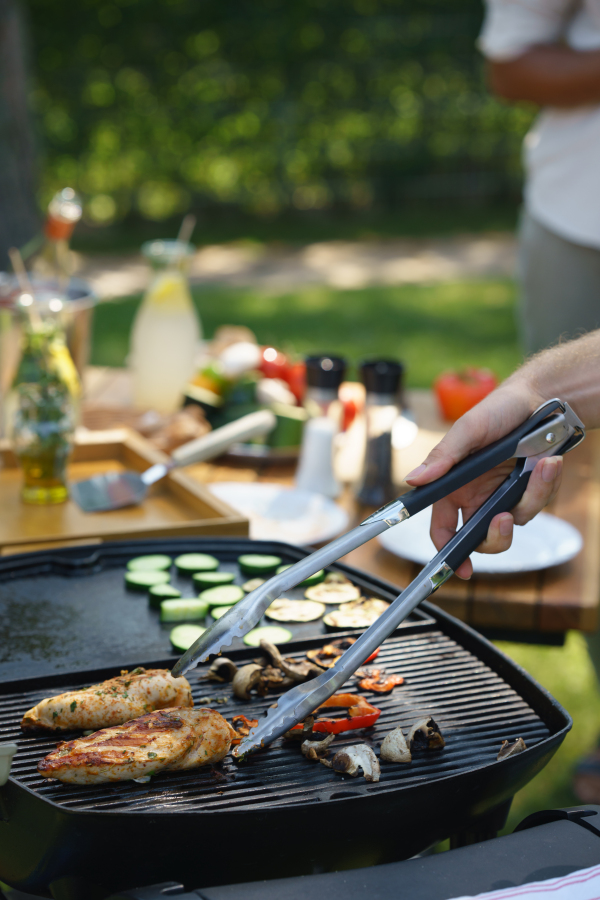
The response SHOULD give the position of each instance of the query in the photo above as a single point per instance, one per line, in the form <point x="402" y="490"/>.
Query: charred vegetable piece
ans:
<point x="317" y="749"/>
<point x="348" y="762"/>
<point x="379" y="682"/>
<point x="394" y="747"/>
<point x="242" y="726"/>
<point x="332" y="592"/>
<point x="327" y="656"/>
<point x="362" y="714"/>
<point x="425" y="735"/>
<point x="222" y="669"/>
<point x="253" y="584"/>
<point x="272" y="633"/>
<point x="258" y="563"/>
<point x="284" y="610"/>
<point x="154" y="562"/>
<point x="358" y="614"/>
<point x="510" y="749"/>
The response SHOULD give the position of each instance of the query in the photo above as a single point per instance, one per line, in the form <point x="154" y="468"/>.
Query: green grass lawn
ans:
<point x="429" y="327"/>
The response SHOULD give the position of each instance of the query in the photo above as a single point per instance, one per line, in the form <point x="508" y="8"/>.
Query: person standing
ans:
<point x="548" y="52"/>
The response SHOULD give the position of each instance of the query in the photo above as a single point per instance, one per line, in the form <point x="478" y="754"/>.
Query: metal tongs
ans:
<point x="553" y="429"/>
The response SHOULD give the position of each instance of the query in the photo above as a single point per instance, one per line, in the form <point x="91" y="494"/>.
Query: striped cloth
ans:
<point x="581" y="885"/>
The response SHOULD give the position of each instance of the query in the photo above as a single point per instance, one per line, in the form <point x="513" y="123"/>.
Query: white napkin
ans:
<point x="581" y="885"/>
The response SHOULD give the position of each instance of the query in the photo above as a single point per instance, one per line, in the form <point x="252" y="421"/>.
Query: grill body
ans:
<point x="278" y="814"/>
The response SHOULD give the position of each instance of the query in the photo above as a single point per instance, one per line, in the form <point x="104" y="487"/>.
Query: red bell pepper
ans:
<point x="362" y="714"/>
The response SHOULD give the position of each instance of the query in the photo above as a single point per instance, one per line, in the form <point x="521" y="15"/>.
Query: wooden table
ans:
<point x="547" y="603"/>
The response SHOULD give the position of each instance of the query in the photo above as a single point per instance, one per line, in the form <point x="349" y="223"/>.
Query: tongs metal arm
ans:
<point x="302" y="700"/>
<point x="525" y="441"/>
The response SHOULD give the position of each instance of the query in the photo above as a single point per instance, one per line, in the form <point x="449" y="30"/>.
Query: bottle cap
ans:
<point x="381" y="376"/>
<point x="325" y="371"/>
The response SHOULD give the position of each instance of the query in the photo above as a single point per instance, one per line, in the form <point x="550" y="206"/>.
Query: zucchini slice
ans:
<point x="144" y="579"/>
<point x="284" y="610"/>
<point x="160" y="592"/>
<point x="332" y="593"/>
<point x="183" y="610"/>
<point x="317" y="578"/>
<point x="253" y="584"/>
<point x="212" y="579"/>
<point x="358" y="614"/>
<point x="218" y="611"/>
<point x="271" y="633"/>
<point x="155" y="562"/>
<point x="189" y="563"/>
<point x="258" y="563"/>
<point x="183" y="636"/>
<point x="223" y="595"/>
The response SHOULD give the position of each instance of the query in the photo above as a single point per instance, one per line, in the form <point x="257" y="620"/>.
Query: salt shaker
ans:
<point x="324" y="374"/>
<point x="382" y="380"/>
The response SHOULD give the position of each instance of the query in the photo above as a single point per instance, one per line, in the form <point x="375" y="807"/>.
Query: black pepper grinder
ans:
<point x="383" y="382"/>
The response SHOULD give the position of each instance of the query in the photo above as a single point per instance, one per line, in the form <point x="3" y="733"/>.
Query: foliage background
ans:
<point x="152" y="106"/>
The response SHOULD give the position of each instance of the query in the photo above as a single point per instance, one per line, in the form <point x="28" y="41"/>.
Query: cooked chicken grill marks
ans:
<point x="170" y="738"/>
<point x="113" y="702"/>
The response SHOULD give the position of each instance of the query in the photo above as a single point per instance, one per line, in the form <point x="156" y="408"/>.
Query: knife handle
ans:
<point x="476" y="464"/>
<point x="215" y="442"/>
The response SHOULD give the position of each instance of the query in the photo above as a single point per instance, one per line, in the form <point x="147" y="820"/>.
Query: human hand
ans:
<point x="494" y="417"/>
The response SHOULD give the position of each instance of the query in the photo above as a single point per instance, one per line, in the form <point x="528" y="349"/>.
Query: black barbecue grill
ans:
<point x="277" y="814"/>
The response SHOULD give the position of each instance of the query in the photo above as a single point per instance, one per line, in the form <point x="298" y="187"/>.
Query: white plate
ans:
<point x="543" y="542"/>
<point x="283" y="514"/>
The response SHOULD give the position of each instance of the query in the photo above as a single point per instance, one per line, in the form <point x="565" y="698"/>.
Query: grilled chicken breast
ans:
<point x="166" y="739"/>
<point x="113" y="702"/>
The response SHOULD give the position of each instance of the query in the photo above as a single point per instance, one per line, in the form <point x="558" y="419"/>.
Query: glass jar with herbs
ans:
<point x="44" y="398"/>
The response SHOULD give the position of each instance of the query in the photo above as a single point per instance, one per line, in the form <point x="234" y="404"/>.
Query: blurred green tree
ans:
<point x="156" y="105"/>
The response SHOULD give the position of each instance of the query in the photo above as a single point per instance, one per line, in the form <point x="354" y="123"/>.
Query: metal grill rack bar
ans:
<point x="475" y="708"/>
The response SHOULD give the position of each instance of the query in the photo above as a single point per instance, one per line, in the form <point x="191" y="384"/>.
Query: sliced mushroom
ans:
<point x="361" y="756"/>
<point x="507" y="749"/>
<point x="394" y="747"/>
<point x="317" y="749"/>
<point x="245" y="679"/>
<point x="298" y="670"/>
<point x="425" y="735"/>
<point x="222" y="669"/>
<point x="301" y="734"/>
<point x="273" y="679"/>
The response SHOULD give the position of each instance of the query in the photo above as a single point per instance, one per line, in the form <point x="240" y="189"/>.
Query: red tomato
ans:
<point x="458" y="392"/>
<point x="296" y="379"/>
<point x="273" y="363"/>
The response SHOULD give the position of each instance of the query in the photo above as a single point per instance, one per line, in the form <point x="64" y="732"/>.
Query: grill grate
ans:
<point x="475" y="708"/>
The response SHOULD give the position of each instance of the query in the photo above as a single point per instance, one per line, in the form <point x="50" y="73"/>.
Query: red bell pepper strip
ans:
<point x="372" y="656"/>
<point x="362" y="714"/>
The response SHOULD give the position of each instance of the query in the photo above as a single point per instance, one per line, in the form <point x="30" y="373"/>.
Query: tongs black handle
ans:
<point x="472" y="466"/>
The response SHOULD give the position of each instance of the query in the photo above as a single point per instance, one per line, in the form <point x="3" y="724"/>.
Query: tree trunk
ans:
<point x="19" y="217"/>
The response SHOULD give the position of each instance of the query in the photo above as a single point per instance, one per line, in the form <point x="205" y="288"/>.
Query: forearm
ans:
<point x="570" y="371"/>
<point x="550" y="75"/>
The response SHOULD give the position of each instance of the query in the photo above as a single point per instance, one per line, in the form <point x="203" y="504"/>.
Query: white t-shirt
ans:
<point x="562" y="150"/>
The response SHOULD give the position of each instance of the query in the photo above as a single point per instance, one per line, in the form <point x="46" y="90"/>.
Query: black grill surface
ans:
<point x="474" y="706"/>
